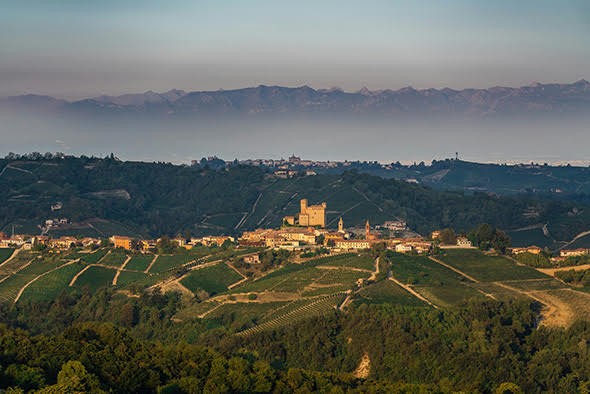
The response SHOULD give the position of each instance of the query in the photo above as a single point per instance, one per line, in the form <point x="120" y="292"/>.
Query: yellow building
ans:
<point x="121" y="241"/>
<point x="310" y="215"/>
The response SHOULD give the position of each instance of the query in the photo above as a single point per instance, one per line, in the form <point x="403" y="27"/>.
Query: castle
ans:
<point x="309" y="215"/>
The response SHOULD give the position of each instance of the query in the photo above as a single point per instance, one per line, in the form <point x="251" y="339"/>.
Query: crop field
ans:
<point x="488" y="268"/>
<point x="534" y="285"/>
<point x="168" y="262"/>
<point x="316" y="307"/>
<point x="5" y="253"/>
<point x="114" y="259"/>
<point x="448" y="296"/>
<point x="139" y="262"/>
<point x="291" y="278"/>
<point x="50" y="286"/>
<point x="17" y="263"/>
<point x="244" y="315"/>
<point x="363" y="261"/>
<point x="11" y="286"/>
<point x="127" y="277"/>
<point x="213" y="279"/>
<point x="386" y="292"/>
<point x="420" y="270"/>
<point x="96" y="277"/>
<point x="435" y="282"/>
<point x="93" y="258"/>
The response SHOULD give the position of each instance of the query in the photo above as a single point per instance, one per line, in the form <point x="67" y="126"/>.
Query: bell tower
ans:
<point x="341" y="225"/>
<point x="367" y="230"/>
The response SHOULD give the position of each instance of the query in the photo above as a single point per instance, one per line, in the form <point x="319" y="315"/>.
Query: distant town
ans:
<point x="303" y="232"/>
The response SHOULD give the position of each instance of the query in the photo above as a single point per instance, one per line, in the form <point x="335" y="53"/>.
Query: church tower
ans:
<point x="341" y="225"/>
<point x="367" y="230"/>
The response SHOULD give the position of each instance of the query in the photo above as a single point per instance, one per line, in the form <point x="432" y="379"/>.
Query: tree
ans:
<point x="74" y="378"/>
<point x="448" y="237"/>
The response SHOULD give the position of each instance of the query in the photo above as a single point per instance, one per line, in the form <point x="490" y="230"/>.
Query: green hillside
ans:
<point x="102" y="197"/>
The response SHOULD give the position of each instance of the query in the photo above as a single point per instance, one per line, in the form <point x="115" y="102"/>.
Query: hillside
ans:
<point x="379" y="310"/>
<point x="101" y="197"/>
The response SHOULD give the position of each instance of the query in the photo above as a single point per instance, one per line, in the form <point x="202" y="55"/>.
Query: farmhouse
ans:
<point x="574" y="252"/>
<point x="528" y="249"/>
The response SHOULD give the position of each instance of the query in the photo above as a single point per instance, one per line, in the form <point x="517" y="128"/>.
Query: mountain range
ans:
<point x="535" y="99"/>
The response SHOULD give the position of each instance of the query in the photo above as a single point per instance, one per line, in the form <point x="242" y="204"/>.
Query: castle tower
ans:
<point x="367" y="230"/>
<point x="303" y="206"/>
<point x="341" y="225"/>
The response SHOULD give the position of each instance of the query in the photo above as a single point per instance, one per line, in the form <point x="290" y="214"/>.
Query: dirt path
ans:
<point x="412" y="292"/>
<point x="580" y="235"/>
<point x="247" y="214"/>
<point x="147" y="270"/>
<point x="373" y="276"/>
<point x="552" y="271"/>
<point x="555" y="313"/>
<point x="121" y="268"/>
<point x="471" y="278"/>
<point x="364" y="367"/>
<point x="173" y="284"/>
<point x="12" y="257"/>
<point x="75" y="278"/>
<point x="22" y="289"/>
<point x="333" y="267"/>
<point x="236" y="284"/>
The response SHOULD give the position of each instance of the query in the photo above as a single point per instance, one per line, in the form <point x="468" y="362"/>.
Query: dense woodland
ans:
<point x="151" y="199"/>
<point x="61" y="346"/>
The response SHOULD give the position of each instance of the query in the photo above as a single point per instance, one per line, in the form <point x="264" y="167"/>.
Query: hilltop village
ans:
<point x="303" y="232"/>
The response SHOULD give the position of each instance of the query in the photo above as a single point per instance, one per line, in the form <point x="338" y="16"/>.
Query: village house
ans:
<point x="252" y="259"/>
<point x="528" y="249"/>
<point x="463" y="242"/>
<point x="352" y="244"/>
<point x="403" y="248"/>
<point x="63" y="242"/>
<point x="574" y="252"/>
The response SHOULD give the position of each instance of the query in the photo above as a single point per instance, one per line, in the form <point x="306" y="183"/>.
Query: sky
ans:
<point x="73" y="49"/>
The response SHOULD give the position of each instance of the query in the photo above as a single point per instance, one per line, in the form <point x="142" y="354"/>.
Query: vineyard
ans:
<point x="316" y="307"/>
<point x="213" y="280"/>
<point x="5" y="253"/>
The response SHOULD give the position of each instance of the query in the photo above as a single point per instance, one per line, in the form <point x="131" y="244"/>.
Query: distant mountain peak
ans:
<point x="535" y="98"/>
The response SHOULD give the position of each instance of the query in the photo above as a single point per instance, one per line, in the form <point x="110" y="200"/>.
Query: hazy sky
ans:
<point x="84" y="48"/>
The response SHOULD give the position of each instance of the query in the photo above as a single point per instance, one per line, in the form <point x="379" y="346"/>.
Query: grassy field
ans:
<point x="488" y="268"/>
<point x="213" y="279"/>
<point x="363" y="261"/>
<point x="386" y="292"/>
<point x="5" y="253"/>
<point x="50" y="286"/>
<point x="139" y="262"/>
<point x="168" y="262"/>
<point x="114" y="259"/>
<point x="96" y="277"/>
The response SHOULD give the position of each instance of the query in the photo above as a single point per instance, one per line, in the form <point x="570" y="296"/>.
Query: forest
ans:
<point x="108" y="342"/>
